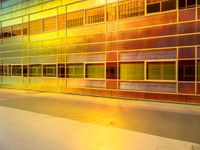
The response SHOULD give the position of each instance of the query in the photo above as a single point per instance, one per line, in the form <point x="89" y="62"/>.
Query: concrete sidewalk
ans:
<point x="23" y="130"/>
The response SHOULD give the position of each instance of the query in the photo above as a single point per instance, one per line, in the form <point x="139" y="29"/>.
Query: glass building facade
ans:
<point x="145" y="49"/>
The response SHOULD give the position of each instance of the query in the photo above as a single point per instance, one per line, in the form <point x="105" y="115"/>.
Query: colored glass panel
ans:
<point x="25" y="70"/>
<point x="131" y="8"/>
<point x="16" y="70"/>
<point x="61" y="70"/>
<point x="49" y="24"/>
<point x="61" y="21"/>
<point x="17" y="30"/>
<point x="49" y="70"/>
<point x="95" y="15"/>
<point x="35" y="70"/>
<point x="132" y="71"/>
<point x="198" y="70"/>
<point x="161" y="70"/>
<point x="75" y="70"/>
<point x="6" y="32"/>
<point x="75" y="19"/>
<point x="111" y="70"/>
<point x="112" y="12"/>
<point x="186" y="70"/>
<point x="25" y="27"/>
<point x="36" y="27"/>
<point x="95" y="71"/>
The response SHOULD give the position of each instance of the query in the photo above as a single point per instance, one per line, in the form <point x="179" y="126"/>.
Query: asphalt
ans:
<point x="175" y="121"/>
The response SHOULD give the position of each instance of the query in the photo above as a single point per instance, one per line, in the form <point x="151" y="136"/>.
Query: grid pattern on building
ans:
<point x="128" y="45"/>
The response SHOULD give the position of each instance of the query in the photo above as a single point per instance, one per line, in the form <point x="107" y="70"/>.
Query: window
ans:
<point x="198" y="71"/>
<point x="1" y="70"/>
<point x="6" y="32"/>
<point x="95" y="15"/>
<point x="25" y="27"/>
<point x="161" y="70"/>
<point x="186" y="70"/>
<point x="17" y="30"/>
<point x="61" y="22"/>
<point x="35" y="70"/>
<point x="168" y="5"/>
<point x="36" y="27"/>
<point x="131" y="8"/>
<point x="154" y="7"/>
<point x="49" y="24"/>
<point x="132" y="71"/>
<point x="95" y="71"/>
<point x="75" y="70"/>
<point x="16" y="70"/>
<point x="25" y="71"/>
<point x="61" y="70"/>
<point x="186" y="3"/>
<point x="112" y="12"/>
<point x="160" y="5"/>
<point x="49" y="70"/>
<point x="75" y="19"/>
<point x="7" y="70"/>
<point x="111" y="70"/>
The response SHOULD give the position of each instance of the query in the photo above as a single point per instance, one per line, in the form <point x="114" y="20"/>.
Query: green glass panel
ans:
<point x="169" y="71"/>
<point x="198" y="76"/>
<point x="95" y="71"/>
<point x="75" y="70"/>
<point x="154" y="71"/>
<point x="132" y="71"/>
<point x="161" y="71"/>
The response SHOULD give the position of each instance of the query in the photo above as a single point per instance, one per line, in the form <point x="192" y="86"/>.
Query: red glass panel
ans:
<point x="111" y="84"/>
<point x="161" y="30"/>
<point x="198" y="13"/>
<point x="131" y="34"/>
<point x="161" y="18"/>
<point x="186" y="88"/>
<point x="186" y="15"/>
<point x="187" y="40"/>
<point x="198" y="88"/>
<point x="111" y="56"/>
<point x="161" y="42"/>
<point x="188" y="52"/>
<point x="198" y="52"/>
<point x="95" y="47"/>
<point x="95" y="38"/>
<point x="187" y="27"/>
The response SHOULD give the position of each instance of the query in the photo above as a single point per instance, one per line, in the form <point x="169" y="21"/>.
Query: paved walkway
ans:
<point x="23" y="130"/>
<point x="48" y="121"/>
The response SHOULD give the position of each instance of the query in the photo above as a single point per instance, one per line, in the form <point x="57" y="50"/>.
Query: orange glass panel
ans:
<point x="50" y="24"/>
<point x="95" y="15"/>
<point x="112" y="12"/>
<point x="75" y="19"/>
<point x="36" y="27"/>
<point x="61" y="22"/>
<point x="17" y="30"/>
